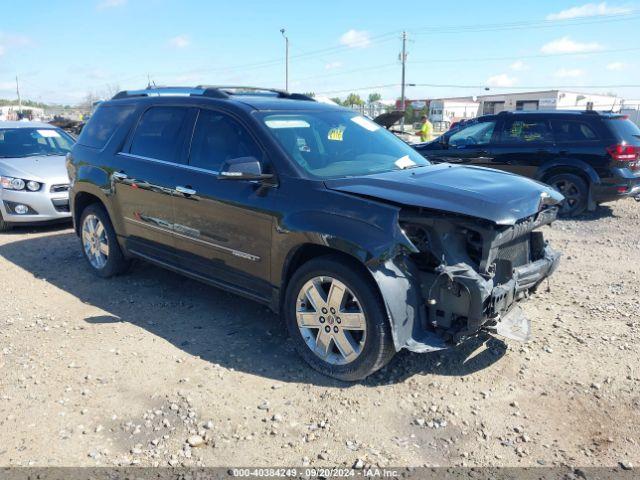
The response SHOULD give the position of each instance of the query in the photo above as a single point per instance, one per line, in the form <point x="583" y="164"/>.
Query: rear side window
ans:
<point x="217" y="138"/>
<point x="624" y="129"/>
<point x="159" y="134"/>
<point x="103" y="124"/>
<point x="572" y="131"/>
<point x="525" y="131"/>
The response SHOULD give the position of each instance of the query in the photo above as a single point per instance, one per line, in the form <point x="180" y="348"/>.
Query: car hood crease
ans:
<point x="500" y="197"/>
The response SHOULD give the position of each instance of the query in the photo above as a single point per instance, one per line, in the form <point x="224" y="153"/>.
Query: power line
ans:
<point x="519" y="57"/>
<point x="496" y="27"/>
<point x="537" y="87"/>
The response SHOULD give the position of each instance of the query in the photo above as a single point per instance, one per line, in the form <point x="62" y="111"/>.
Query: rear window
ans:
<point x="572" y="131"/>
<point x="102" y="125"/>
<point x="159" y="134"/>
<point x="624" y="129"/>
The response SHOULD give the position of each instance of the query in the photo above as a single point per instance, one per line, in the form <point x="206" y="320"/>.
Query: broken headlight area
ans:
<point x="473" y="272"/>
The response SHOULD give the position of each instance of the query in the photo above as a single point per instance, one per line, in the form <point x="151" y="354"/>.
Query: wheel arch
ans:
<point x="81" y="201"/>
<point x="305" y="252"/>
<point x="572" y="166"/>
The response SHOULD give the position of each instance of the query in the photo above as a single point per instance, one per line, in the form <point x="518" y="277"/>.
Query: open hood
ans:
<point x="479" y="192"/>
<point x="388" y="120"/>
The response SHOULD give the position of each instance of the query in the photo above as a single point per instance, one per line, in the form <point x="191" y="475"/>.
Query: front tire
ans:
<point x="4" y="226"/>
<point x="337" y="320"/>
<point x="575" y="191"/>
<point x="99" y="243"/>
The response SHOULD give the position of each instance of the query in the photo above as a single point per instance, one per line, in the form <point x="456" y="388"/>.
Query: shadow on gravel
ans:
<point x="603" y="211"/>
<point x="217" y="326"/>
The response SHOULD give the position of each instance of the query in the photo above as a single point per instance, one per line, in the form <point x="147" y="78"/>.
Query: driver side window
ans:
<point x="476" y="134"/>
<point x="217" y="138"/>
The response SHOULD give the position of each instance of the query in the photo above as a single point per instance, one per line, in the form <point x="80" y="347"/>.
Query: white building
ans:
<point x="547" y="100"/>
<point x="12" y="112"/>
<point x="631" y="108"/>
<point x="452" y="109"/>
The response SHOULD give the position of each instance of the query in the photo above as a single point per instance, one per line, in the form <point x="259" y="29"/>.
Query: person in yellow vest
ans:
<point x="426" y="129"/>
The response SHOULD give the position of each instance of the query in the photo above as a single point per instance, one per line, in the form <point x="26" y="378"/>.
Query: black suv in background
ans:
<point x="589" y="157"/>
<point x="363" y="245"/>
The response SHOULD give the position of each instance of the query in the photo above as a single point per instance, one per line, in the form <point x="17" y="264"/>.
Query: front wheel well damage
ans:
<point x="310" y="251"/>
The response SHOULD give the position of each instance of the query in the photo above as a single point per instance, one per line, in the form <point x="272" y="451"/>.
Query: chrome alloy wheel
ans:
<point x="94" y="242"/>
<point x="331" y="320"/>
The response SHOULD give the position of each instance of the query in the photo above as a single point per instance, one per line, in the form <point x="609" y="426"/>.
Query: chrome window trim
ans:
<point x="173" y="164"/>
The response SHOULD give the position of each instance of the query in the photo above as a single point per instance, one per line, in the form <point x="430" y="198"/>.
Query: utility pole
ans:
<point x="286" y="59"/>
<point x="19" y="99"/>
<point x="403" y="59"/>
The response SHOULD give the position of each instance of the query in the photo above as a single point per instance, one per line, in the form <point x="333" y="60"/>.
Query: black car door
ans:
<point x="468" y="145"/>
<point x="522" y="144"/>
<point x="224" y="226"/>
<point x="144" y="179"/>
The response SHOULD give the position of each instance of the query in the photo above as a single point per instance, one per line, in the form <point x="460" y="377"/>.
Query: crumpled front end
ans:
<point x="465" y="275"/>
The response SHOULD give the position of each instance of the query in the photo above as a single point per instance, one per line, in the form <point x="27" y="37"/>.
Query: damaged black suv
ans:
<point x="362" y="245"/>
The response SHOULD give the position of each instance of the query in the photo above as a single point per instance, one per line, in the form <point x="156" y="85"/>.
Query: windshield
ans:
<point x="29" y="142"/>
<point x="331" y="144"/>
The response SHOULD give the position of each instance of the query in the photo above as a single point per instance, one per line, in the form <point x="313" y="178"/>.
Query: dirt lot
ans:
<point x="130" y="370"/>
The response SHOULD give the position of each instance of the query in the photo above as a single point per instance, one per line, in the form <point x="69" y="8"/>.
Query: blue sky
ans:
<point x="62" y="50"/>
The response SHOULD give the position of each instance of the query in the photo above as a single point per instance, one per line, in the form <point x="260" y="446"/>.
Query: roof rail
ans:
<point x="243" y="89"/>
<point x="159" y="91"/>
<point x="212" y="91"/>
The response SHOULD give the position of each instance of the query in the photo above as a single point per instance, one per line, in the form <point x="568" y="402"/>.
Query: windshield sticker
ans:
<point x="365" y="123"/>
<point x="404" y="162"/>
<point x="336" y="134"/>
<point x="49" y="133"/>
<point x="287" y="124"/>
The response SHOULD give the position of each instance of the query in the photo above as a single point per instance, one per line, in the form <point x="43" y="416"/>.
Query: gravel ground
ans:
<point x="154" y="369"/>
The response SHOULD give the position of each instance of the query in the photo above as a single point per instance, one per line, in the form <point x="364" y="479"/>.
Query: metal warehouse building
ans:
<point x="547" y="100"/>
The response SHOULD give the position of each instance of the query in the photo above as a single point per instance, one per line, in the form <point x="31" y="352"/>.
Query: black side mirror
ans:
<point x="243" y="168"/>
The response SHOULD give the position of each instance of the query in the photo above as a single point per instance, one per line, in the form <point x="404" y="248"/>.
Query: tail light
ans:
<point x="628" y="155"/>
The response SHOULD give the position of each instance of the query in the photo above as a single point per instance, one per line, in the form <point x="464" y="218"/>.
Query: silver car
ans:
<point x="34" y="185"/>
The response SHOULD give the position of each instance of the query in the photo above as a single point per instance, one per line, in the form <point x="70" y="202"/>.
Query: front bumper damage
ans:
<point x="465" y="276"/>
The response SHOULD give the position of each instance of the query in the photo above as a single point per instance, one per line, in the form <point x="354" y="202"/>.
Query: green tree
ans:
<point x="409" y="114"/>
<point x="374" y="97"/>
<point x="353" y="99"/>
<point x="337" y="100"/>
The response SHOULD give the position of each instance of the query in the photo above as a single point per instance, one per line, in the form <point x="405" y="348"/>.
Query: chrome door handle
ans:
<point x="120" y="175"/>
<point x="185" y="190"/>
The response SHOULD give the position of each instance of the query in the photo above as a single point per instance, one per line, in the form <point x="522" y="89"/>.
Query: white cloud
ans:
<point x="569" y="73"/>
<point x="501" y="80"/>
<point x="332" y="65"/>
<point x="355" y="39"/>
<point x="519" y="66"/>
<point x="566" y="45"/>
<point x="110" y="4"/>
<point x="12" y="40"/>
<point x="181" y="41"/>
<point x="589" y="10"/>
<point x="616" y="66"/>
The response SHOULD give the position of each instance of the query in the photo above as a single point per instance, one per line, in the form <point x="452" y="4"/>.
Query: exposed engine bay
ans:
<point x="472" y="272"/>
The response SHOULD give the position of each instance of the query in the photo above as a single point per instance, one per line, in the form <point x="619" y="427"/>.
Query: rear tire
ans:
<point x="575" y="191"/>
<point x="100" y="244"/>
<point x="348" y="347"/>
